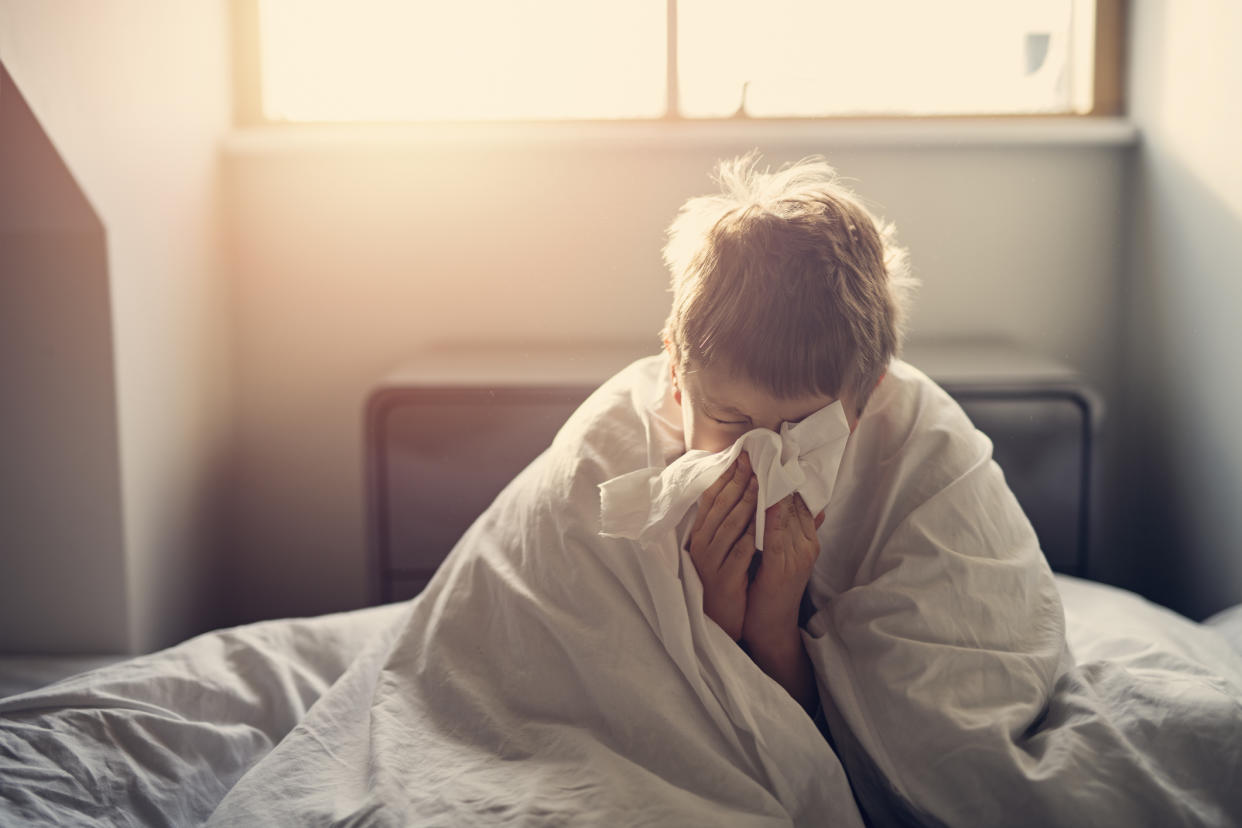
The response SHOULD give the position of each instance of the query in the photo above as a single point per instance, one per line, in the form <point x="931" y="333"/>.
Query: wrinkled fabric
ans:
<point x="803" y="458"/>
<point x="940" y="647"/>
<point x="160" y="739"/>
<point x="548" y="675"/>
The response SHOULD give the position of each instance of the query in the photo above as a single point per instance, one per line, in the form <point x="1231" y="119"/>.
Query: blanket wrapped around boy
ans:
<point x="551" y="674"/>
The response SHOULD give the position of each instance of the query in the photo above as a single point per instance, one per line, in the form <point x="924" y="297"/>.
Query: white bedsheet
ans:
<point x="113" y="785"/>
<point x="159" y="739"/>
<point x="549" y="675"/>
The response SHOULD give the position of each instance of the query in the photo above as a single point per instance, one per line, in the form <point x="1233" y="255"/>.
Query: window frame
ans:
<point x="1108" y="99"/>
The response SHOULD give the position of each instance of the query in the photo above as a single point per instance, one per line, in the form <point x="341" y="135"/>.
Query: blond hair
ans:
<point x="786" y="279"/>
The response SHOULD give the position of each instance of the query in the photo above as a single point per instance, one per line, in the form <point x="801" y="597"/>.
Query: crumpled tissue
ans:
<point x="804" y="457"/>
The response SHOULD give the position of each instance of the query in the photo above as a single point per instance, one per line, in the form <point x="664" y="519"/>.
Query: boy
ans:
<point x="794" y="256"/>
<point x="934" y="633"/>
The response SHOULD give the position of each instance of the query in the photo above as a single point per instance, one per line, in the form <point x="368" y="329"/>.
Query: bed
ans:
<point x="165" y="738"/>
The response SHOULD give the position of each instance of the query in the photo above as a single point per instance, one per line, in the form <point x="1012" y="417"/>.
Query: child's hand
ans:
<point x="722" y="542"/>
<point x="790" y="548"/>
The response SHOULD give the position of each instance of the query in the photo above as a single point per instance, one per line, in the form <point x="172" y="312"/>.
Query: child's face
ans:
<point x="718" y="407"/>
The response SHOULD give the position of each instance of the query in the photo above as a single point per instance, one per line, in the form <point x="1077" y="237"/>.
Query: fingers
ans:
<point x="725" y="500"/>
<point x="734" y="525"/>
<point x="789" y="520"/>
<point x="778" y="514"/>
<point x="776" y="525"/>
<point x="806" y="523"/>
<point x="737" y="562"/>
<point x="709" y="497"/>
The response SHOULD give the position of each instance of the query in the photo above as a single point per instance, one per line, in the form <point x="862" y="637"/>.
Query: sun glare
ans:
<point x="323" y="60"/>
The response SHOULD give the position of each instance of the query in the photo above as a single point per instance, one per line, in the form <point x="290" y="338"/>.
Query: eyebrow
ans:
<point x="728" y="409"/>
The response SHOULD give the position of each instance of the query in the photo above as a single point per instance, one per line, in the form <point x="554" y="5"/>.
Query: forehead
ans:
<point x="719" y="385"/>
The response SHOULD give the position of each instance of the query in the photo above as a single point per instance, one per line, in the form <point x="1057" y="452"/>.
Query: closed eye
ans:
<point x="727" y="422"/>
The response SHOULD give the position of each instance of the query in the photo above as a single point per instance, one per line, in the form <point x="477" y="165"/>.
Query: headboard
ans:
<point x="452" y="427"/>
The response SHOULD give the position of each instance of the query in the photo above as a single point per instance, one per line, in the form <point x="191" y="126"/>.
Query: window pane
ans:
<point x="803" y="58"/>
<point x="379" y="60"/>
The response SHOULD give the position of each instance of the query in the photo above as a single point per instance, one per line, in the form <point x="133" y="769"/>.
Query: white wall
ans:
<point x="355" y="249"/>
<point x="350" y="252"/>
<point x="1184" y="294"/>
<point x="136" y="95"/>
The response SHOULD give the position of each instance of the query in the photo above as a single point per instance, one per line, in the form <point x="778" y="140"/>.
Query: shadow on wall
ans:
<point x="62" y="562"/>
<point x="1182" y="392"/>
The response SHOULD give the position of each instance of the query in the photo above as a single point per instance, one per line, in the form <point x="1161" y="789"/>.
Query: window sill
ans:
<point x="899" y="133"/>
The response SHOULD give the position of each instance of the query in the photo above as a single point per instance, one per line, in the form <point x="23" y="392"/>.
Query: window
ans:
<point x="488" y="60"/>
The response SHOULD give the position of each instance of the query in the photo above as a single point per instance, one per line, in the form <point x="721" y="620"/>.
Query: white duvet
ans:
<point x="160" y="739"/>
<point x="549" y="675"/>
<point x="940" y="646"/>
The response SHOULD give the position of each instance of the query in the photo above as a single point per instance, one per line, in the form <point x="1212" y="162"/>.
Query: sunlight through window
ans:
<point x="470" y="60"/>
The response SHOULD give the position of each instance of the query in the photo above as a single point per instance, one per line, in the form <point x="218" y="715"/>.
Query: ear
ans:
<point x="672" y="369"/>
